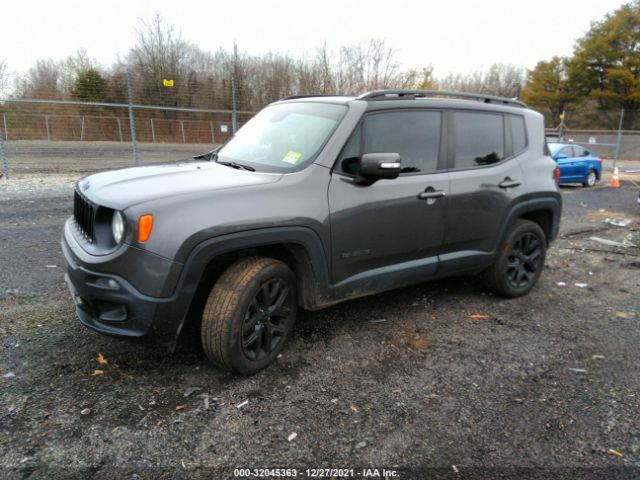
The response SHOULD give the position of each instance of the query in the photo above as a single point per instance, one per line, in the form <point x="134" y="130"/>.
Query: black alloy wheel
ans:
<point x="519" y="261"/>
<point x="266" y="320"/>
<point x="249" y="314"/>
<point x="524" y="260"/>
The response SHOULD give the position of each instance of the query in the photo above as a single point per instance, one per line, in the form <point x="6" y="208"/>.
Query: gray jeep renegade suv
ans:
<point x="316" y="200"/>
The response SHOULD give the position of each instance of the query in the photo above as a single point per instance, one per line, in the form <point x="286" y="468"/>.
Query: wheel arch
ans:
<point x="544" y="211"/>
<point x="544" y="218"/>
<point x="300" y="248"/>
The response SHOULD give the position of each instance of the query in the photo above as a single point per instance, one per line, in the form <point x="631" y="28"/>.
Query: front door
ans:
<point x="390" y="231"/>
<point x="567" y="164"/>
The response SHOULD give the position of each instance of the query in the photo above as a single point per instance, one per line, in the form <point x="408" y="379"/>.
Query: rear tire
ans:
<point x="519" y="262"/>
<point x="249" y="315"/>
<point x="591" y="179"/>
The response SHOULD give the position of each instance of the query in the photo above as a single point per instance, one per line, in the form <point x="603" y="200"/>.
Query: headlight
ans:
<point x="117" y="226"/>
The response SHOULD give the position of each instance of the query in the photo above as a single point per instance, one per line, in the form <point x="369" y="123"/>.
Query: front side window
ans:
<point x="479" y="139"/>
<point x="568" y="151"/>
<point x="283" y="137"/>
<point x="413" y="134"/>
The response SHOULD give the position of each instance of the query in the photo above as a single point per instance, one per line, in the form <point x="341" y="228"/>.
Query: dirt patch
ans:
<point x="602" y="214"/>
<point x="410" y="338"/>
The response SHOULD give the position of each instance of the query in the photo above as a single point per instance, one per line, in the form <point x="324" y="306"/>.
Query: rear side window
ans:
<point x="568" y="151"/>
<point x="580" y="152"/>
<point x="415" y="135"/>
<point x="479" y="139"/>
<point x="518" y="133"/>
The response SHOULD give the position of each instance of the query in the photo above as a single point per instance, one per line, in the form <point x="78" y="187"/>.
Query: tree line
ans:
<point x="602" y="76"/>
<point x="202" y="79"/>
<point x="598" y="80"/>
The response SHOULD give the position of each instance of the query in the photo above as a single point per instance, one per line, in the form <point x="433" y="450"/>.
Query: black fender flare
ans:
<point x="551" y="204"/>
<point x="207" y="250"/>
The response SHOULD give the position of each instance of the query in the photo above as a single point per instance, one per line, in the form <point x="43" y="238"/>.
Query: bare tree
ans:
<point x="271" y="77"/>
<point x="501" y="79"/>
<point x="4" y="77"/>
<point x="168" y="71"/>
<point x="73" y="66"/>
<point x="325" y="71"/>
<point x="504" y="80"/>
<point x="159" y="54"/>
<point x="40" y="82"/>
<point x="369" y="66"/>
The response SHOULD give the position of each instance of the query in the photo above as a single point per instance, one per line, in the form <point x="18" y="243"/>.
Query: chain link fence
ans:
<point x="62" y="136"/>
<point x="604" y="142"/>
<point x="68" y="137"/>
<point x="54" y="140"/>
<point x="136" y="123"/>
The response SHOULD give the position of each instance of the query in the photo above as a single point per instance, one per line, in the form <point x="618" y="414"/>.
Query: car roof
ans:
<point x="337" y="99"/>
<point x="562" y="145"/>
<point x="449" y="103"/>
<point x="555" y="147"/>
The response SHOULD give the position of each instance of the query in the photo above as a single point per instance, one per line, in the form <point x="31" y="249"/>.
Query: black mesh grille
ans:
<point x="84" y="213"/>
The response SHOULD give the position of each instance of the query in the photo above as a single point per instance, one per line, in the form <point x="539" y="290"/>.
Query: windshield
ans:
<point x="283" y="137"/>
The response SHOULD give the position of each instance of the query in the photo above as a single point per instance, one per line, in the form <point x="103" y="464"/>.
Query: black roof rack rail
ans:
<point x="293" y="97"/>
<point x="409" y="94"/>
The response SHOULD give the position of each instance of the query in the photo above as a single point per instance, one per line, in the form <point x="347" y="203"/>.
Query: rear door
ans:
<point x="378" y="230"/>
<point x="567" y="165"/>
<point x="584" y="162"/>
<point x="485" y="178"/>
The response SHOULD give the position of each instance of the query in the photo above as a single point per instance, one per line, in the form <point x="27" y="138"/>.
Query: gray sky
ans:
<point x="459" y="36"/>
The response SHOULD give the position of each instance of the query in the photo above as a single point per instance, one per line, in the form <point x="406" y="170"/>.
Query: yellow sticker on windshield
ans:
<point x="292" y="157"/>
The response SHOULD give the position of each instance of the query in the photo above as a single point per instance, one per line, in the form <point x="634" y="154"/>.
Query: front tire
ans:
<point x="249" y="315"/>
<point x="591" y="179"/>
<point x="519" y="262"/>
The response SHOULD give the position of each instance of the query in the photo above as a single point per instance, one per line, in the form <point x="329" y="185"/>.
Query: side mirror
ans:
<point x="560" y="156"/>
<point x="378" y="166"/>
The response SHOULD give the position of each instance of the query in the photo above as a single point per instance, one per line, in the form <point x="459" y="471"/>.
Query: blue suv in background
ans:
<point x="576" y="163"/>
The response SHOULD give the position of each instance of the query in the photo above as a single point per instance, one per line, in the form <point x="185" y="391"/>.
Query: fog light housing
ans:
<point x="107" y="283"/>
<point x="110" y="311"/>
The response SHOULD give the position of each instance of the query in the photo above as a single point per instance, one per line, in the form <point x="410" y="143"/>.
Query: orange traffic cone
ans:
<point x="615" y="179"/>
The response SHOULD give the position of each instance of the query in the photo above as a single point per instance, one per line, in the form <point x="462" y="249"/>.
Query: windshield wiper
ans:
<point x="210" y="156"/>
<point x="236" y="165"/>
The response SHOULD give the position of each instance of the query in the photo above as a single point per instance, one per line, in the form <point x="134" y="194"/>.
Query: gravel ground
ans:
<point x="546" y="386"/>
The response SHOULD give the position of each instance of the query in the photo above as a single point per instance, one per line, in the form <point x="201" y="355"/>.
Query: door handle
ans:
<point x="431" y="194"/>
<point x="508" y="183"/>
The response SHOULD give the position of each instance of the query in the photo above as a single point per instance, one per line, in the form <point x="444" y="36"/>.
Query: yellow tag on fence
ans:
<point x="167" y="83"/>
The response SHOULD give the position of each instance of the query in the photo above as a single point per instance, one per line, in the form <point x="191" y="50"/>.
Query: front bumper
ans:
<point x="109" y="304"/>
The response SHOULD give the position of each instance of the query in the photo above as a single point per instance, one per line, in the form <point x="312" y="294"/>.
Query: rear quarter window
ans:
<point x="581" y="152"/>
<point x="518" y="133"/>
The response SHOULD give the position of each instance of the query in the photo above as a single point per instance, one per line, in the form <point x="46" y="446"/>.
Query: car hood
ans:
<point x="125" y="188"/>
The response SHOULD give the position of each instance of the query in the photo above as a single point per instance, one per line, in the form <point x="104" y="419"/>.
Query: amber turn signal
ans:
<point x="145" y="225"/>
